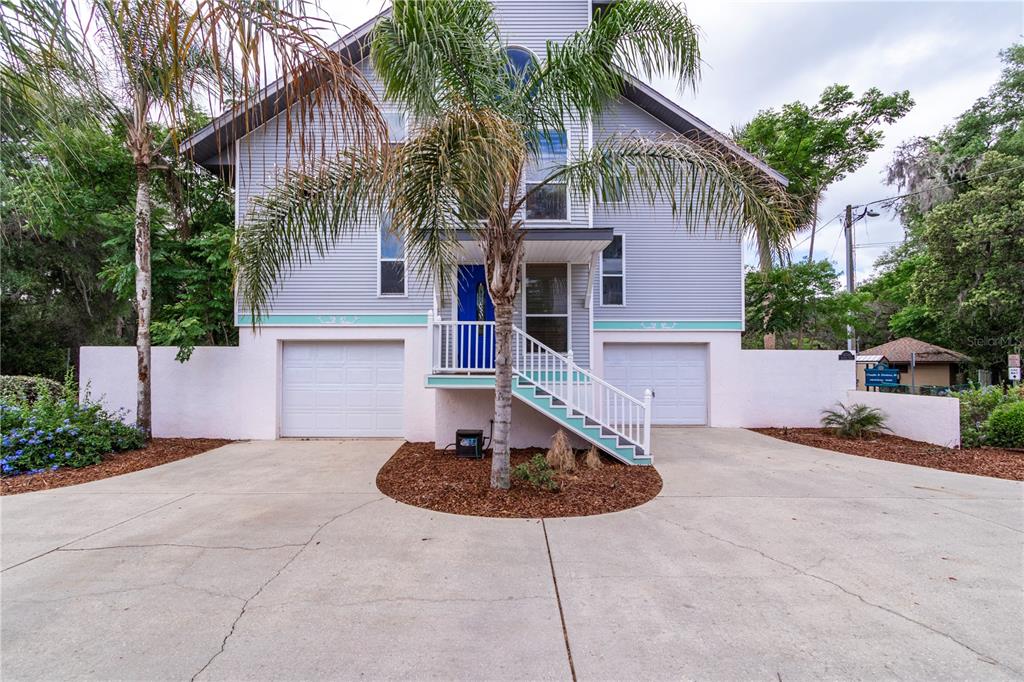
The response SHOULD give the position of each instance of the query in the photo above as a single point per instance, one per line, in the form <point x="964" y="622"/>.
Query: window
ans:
<point x="547" y="305"/>
<point x="397" y="126"/>
<point x="391" y="271"/>
<point x="521" y="64"/>
<point x="613" y="273"/>
<point x="550" y="202"/>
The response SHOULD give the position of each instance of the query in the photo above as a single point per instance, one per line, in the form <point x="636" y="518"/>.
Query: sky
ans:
<point x="760" y="55"/>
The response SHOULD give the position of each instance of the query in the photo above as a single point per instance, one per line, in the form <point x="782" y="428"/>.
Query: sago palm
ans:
<point x="478" y="122"/>
<point x="144" y="62"/>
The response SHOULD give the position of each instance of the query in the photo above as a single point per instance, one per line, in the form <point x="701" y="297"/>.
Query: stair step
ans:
<point x="588" y="428"/>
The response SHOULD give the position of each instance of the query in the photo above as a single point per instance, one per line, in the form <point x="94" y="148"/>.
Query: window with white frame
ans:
<point x="613" y="272"/>
<point x="550" y="201"/>
<point x="391" y="268"/>
<point x="547" y="305"/>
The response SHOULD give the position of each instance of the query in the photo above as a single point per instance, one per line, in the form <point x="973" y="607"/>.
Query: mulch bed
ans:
<point x="420" y="475"/>
<point x="159" y="451"/>
<point x="994" y="462"/>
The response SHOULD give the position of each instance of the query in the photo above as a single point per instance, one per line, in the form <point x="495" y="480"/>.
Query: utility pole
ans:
<point x="848" y="226"/>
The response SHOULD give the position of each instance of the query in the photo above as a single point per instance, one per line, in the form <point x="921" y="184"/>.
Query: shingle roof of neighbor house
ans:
<point x="207" y="146"/>
<point x="900" y="350"/>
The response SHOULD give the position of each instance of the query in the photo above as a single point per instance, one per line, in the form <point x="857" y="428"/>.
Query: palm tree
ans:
<point x="476" y="122"/>
<point x="144" y="63"/>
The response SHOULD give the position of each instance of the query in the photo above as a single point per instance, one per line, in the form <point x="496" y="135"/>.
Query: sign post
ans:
<point x="1013" y="362"/>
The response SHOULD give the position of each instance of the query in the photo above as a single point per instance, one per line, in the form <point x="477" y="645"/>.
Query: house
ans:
<point x="932" y="365"/>
<point x="625" y="318"/>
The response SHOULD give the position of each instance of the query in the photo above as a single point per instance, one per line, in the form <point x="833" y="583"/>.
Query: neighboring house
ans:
<point x="932" y="365"/>
<point x="624" y="300"/>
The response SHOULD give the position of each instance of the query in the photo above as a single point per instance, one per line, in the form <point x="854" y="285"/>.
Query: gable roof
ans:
<point x="900" y="350"/>
<point x="210" y="147"/>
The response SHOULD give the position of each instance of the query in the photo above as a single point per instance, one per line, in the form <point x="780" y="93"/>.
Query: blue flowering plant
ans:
<point x="51" y="430"/>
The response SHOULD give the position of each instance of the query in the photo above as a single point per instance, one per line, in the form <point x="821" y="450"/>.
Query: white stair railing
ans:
<point x="468" y="347"/>
<point x="582" y="391"/>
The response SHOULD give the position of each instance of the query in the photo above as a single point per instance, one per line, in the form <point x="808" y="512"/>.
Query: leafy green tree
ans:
<point x="961" y="265"/>
<point x="817" y="145"/>
<point x="53" y="243"/>
<point x="56" y="242"/>
<point x="480" y="123"/>
<point x="801" y="304"/>
<point x="974" y="267"/>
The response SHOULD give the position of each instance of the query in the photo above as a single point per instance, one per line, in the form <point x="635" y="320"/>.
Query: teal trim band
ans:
<point x="668" y="325"/>
<point x="459" y="381"/>
<point x="337" y="320"/>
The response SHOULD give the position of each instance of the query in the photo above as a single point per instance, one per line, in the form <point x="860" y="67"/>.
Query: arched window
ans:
<point x="521" y="62"/>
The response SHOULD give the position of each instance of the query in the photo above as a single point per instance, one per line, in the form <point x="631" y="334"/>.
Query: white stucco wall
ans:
<point x="931" y="419"/>
<point x="234" y="392"/>
<point x="787" y="387"/>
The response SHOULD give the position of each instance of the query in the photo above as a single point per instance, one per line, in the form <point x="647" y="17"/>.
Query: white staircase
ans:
<point x="553" y="384"/>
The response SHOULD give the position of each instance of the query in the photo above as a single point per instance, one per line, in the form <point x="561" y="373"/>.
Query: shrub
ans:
<point x="593" y="458"/>
<point x="976" y="405"/>
<point x="855" y="421"/>
<point x="20" y="389"/>
<point x="560" y="456"/>
<point x="51" y="432"/>
<point x="1005" y="427"/>
<point x="537" y="472"/>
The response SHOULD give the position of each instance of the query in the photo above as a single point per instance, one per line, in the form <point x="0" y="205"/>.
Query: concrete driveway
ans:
<point x="281" y="560"/>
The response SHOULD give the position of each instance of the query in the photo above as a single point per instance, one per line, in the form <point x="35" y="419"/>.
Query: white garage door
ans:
<point x="676" y="372"/>
<point x="342" y="388"/>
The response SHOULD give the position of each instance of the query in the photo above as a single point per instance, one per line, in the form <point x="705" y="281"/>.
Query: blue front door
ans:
<point x="476" y="342"/>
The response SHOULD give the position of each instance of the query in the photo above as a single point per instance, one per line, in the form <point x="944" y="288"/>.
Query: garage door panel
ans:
<point x="342" y="388"/>
<point x="677" y="373"/>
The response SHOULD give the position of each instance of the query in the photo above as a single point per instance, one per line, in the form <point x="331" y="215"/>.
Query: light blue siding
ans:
<point x="676" y="270"/>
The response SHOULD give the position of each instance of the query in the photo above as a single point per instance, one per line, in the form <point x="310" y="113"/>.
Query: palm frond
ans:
<point x="854" y="421"/>
<point x="307" y="211"/>
<point x="582" y="75"/>
<point x="698" y="179"/>
<point x="454" y="171"/>
<point x="431" y="52"/>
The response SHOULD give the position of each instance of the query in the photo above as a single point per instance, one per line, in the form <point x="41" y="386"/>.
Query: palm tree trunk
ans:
<point x="500" y="459"/>
<point x="143" y="298"/>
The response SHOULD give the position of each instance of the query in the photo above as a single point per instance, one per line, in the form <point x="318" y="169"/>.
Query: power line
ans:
<point x="817" y="229"/>
<point x="935" y="187"/>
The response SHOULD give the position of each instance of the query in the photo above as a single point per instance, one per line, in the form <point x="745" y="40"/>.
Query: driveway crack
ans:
<point x="796" y="569"/>
<point x="272" y="578"/>
<point x="97" y="532"/>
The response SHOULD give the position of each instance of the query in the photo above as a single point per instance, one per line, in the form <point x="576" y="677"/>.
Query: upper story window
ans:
<point x="613" y="272"/>
<point x="397" y="126"/>
<point x="550" y="202"/>
<point x="521" y="62"/>
<point x="391" y="268"/>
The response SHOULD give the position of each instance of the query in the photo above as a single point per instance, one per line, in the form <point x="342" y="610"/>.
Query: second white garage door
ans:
<point x="676" y="372"/>
<point x="342" y="388"/>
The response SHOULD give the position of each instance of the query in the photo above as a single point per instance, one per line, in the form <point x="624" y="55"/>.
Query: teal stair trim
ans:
<point x="526" y="392"/>
<point x="668" y="325"/>
<point x="336" y="320"/>
<point x="459" y="381"/>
